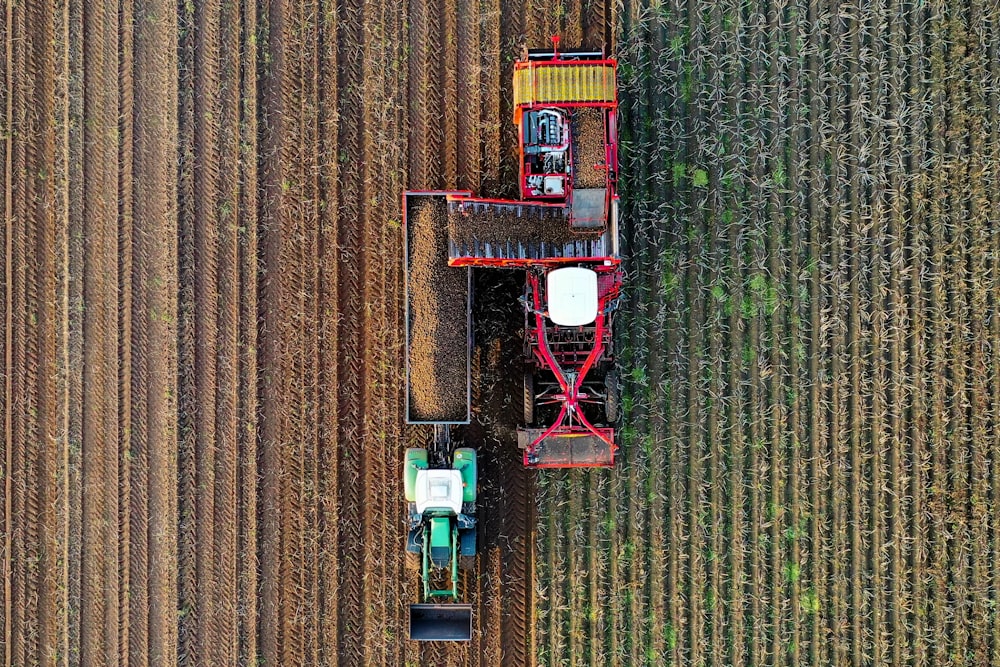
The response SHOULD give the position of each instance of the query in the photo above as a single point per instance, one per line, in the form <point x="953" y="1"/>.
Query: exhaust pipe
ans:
<point x="441" y="622"/>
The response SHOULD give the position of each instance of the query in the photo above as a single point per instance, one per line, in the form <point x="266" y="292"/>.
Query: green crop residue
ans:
<point x="670" y="636"/>
<point x="680" y="171"/>
<point x="809" y="601"/>
<point x="700" y="178"/>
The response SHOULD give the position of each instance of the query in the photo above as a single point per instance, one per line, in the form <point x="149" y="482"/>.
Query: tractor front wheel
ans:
<point x="412" y="561"/>
<point x="467" y="563"/>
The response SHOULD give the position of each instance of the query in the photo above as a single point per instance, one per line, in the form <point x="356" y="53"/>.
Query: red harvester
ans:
<point x="564" y="233"/>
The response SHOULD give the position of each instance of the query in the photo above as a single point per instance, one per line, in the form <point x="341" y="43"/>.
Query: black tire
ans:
<point x="529" y="398"/>
<point x="611" y="397"/>
<point x="413" y="561"/>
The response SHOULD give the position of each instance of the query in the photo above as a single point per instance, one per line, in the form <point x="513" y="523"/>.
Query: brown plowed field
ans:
<point x="202" y="355"/>
<point x="202" y="302"/>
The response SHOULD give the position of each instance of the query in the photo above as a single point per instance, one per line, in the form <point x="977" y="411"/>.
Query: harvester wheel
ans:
<point x="529" y="398"/>
<point x="412" y="561"/>
<point x="611" y="396"/>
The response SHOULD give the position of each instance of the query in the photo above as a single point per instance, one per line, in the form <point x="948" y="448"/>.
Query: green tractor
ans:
<point x="441" y="495"/>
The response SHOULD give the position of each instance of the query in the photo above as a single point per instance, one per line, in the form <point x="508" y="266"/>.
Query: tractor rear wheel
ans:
<point x="611" y="396"/>
<point x="412" y="561"/>
<point x="529" y="398"/>
<point x="467" y="563"/>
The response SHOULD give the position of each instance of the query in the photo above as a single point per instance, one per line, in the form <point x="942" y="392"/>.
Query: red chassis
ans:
<point x="566" y="357"/>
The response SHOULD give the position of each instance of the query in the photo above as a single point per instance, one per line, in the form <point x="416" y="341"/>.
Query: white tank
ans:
<point x="572" y="296"/>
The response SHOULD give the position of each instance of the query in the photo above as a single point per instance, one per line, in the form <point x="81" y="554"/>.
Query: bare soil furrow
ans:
<point x="249" y="390"/>
<point x="99" y="610"/>
<point x="153" y="442"/>
<point x="6" y="397"/>
<point x="352" y="407"/>
<point x="126" y="232"/>
<point x="468" y="130"/>
<point x="223" y="629"/>
<point x="273" y="214"/>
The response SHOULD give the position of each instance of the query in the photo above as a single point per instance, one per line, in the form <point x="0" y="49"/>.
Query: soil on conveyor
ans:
<point x="503" y="225"/>
<point x="588" y="148"/>
<point x="438" y="320"/>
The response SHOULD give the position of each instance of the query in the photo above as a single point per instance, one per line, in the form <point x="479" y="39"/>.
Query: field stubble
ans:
<point x="808" y="402"/>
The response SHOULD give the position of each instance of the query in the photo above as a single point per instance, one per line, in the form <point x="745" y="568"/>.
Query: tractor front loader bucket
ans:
<point x="441" y="622"/>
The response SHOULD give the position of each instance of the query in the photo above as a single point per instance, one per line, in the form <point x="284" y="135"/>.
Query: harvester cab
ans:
<point x="440" y="490"/>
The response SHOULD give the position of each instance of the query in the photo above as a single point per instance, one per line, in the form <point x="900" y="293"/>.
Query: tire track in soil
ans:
<point x="328" y="311"/>
<point x="295" y="632"/>
<point x="315" y="557"/>
<point x="99" y="610"/>
<point x="23" y="508"/>
<point x="468" y="127"/>
<point x="75" y="341"/>
<point x="6" y="159"/>
<point x="153" y="438"/>
<point x="418" y="86"/>
<point x="36" y="499"/>
<point x="196" y="626"/>
<point x="491" y="118"/>
<point x="186" y="353"/>
<point x="223" y="631"/>
<point x="126" y="231"/>
<point x="271" y="293"/>
<point x="351" y="362"/>
<point x="448" y="83"/>
<point x="248" y="206"/>
<point x="384" y="471"/>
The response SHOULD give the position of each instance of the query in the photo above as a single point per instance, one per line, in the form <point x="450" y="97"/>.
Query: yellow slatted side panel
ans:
<point x="568" y="83"/>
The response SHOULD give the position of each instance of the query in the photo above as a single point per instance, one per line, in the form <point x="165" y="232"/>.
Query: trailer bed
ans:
<point x="438" y="316"/>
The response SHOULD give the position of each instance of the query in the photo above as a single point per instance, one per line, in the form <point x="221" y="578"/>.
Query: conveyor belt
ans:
<point x="551" y="84"/>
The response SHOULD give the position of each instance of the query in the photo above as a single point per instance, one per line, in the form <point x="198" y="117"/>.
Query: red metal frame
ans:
<point x="571" y="419"/>
<point x="611" y="143"/>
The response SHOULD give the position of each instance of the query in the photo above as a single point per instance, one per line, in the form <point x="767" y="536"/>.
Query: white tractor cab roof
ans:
<point x="572" y="296"/>
<point x="439" y="489"/>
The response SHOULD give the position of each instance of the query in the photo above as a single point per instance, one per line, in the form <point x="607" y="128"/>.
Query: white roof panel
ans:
<point x="572" y="296"/>
<point x="439" y="489"/>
